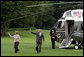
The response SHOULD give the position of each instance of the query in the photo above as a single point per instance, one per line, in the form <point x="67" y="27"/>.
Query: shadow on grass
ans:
<point x="73" y="48"/>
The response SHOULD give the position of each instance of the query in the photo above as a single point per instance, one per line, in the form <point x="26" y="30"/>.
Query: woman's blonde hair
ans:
<point x="16" y="32"/>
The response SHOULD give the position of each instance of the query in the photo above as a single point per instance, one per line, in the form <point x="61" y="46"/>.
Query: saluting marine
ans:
<point x="53" y="37"/>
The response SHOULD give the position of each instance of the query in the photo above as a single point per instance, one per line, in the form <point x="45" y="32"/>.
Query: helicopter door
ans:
<point x="69" y="27"/>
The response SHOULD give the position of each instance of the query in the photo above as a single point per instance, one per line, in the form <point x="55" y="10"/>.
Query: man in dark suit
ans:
<point x="53" y="37"/>
<point x="39" y="38"/>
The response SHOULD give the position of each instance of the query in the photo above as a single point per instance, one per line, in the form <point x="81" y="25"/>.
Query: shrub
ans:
<point x="17" y="29"/>
<point x="33" y="28"/>
<point x="20" y="29"/>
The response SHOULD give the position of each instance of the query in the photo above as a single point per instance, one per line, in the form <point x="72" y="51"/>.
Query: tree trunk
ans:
<point x="3" y="28"/>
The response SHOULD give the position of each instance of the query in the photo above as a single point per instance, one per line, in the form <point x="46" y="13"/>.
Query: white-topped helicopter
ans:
<point x="71" y="24"/>
<point x="69" y="28"/>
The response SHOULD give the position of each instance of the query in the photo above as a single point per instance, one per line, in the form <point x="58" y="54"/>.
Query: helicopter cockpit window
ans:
<point x="55" y="25"/>
<point x="59" y="24"/>
<point x="63" y="18"/>
<point x="68" y="14"/>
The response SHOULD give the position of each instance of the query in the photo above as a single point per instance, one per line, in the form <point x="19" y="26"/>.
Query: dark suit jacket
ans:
<point x="53" y="36"/>
<point x="38" y="38"/>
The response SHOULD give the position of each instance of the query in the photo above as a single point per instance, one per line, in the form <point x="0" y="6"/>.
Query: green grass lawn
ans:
<point x="27" y="46"/>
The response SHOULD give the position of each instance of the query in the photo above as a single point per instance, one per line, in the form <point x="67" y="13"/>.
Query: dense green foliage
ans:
<point x="16" y="14"/>
<point x="28" y="43"/>
<point x="20" y="29"/>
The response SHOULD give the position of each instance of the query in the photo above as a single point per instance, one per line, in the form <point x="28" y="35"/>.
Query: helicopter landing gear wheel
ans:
<point x="76" y="47"/>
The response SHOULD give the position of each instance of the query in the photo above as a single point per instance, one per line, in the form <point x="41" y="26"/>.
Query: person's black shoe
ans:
<point x="15" y="51"/>
<point x="18" y="50"/>
<point x="53" y="48"/>
<point x="38" y="52"/>
<point x="36" y="48"/>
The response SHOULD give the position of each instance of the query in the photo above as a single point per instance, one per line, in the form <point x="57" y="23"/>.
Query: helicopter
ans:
<point x="71" y="24"/>
<point x="69" y="27"/>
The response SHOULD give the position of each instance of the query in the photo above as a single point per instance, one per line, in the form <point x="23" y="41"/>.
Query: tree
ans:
<point x="16" y="14"/>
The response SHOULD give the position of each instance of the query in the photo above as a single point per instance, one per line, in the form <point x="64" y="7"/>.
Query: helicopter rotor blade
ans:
<point x="55" y="4"/>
